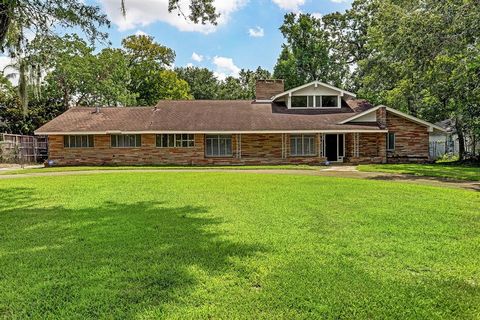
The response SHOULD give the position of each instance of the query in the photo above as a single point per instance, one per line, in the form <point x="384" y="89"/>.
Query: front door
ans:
<point x="331" y="147"/>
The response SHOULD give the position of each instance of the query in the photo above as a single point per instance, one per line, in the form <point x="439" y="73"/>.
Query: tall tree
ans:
<point x="307" y="53"/>
<point x="148" y="62"/>
<point x="202" y="82"/>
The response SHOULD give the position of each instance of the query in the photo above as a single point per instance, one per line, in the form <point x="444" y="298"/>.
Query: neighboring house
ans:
<point x="446" y="142"/>
<point x="313" y="123"/>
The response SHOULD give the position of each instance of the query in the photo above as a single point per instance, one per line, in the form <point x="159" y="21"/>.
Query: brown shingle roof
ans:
<point x="202" y="116"/>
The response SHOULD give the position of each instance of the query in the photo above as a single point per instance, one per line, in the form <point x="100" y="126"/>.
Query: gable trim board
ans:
<point x="316" y="84"/>
<point x="61" y="133"/>
<point x="430" y="126"/>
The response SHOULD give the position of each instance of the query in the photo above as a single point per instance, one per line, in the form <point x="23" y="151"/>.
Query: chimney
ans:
<point x="266" y="89"/>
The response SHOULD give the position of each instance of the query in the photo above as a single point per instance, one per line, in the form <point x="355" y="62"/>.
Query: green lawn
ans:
<point x="236" y="246"/>
<point x="159" y="167"/>
<point x="451" y="171"/>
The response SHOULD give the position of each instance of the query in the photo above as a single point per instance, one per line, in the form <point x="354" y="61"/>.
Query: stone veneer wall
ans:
<point x="411" y="140"/>
<point x="255" y="149"/>
<point x="372" y="148"/>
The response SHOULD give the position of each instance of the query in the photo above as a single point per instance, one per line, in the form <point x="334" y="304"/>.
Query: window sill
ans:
<point x="225" y="156"/>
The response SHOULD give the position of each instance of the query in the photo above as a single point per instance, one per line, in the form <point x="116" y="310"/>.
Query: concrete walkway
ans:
<point x="334" y="171"/>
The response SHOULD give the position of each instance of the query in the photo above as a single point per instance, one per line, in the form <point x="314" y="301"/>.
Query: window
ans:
<point x="302" y="145"/>
<point x="391" y="141"/>
<point x="175" y="140"/>
<point x="314" y="101"/>
<point x="299" y="102"/>
<point x="218" y="145"/>
<point x="126" y="141"/>
<point x="329" y="102"/>
<point x="78" y="141"/>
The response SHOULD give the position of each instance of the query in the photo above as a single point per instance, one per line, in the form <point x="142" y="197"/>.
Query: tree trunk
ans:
<point x="461" y="139"/>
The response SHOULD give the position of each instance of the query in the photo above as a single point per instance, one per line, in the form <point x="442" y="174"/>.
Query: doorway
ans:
<point x="335" y="147"/>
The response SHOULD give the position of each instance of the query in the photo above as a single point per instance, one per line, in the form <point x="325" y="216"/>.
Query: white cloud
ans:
<point x="141" y="33"/>
<point x="146" y="12"/>
<point x="317" y="15"/>
<point x="291" y="5"/>
<point x="225" y="67"/>
<point x="197" y="57"/>
<point x="189" y="65"/>
<point x="256" y="32"/>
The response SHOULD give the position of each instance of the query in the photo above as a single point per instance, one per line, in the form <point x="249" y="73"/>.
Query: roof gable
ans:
<point x="316" y="84"/>
<point x="364" y="114"/>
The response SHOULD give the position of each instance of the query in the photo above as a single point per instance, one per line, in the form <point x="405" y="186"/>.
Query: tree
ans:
<point x="80" y="77"/>
<point x="248" y="80"/>
<point x="417" y="56"/>
<point x="307" y="54"/>
<point x="202" y="82"/>
<point x="147" y="60"/>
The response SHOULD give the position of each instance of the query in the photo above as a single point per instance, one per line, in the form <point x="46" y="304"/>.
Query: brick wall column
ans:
<point x="382" y="117"/>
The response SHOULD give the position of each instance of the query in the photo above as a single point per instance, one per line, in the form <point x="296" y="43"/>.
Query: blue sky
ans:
<point x="246" y="36"/>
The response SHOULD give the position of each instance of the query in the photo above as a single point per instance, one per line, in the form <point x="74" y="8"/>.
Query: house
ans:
<point x="447" y="142"/>
<point x="313" y="123"/>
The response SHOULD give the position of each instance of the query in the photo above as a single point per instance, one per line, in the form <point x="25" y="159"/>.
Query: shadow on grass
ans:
<point x="114" y="259"/>
<point x="442" y="182"/>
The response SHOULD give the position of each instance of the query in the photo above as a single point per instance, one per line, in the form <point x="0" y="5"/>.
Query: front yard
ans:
<point x="226" y="245"/>
<point x="447" y="171"/>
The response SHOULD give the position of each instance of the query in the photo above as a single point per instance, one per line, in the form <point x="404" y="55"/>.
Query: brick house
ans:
<point x="313" y="123"/>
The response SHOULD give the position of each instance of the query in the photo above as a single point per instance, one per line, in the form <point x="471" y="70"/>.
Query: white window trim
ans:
<point x="175" y="141"/>
<point x="230" y="155"/>
<point x="314" y="154"/>
<point x="339" y="102"/>
<point x="128" y="147"/>
<point x="78" y="135"/>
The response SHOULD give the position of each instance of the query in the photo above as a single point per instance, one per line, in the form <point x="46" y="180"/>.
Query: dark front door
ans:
<point x="331" y="147"/>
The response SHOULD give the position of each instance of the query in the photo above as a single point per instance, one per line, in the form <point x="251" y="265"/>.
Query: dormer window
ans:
<point x="302" y="102"/>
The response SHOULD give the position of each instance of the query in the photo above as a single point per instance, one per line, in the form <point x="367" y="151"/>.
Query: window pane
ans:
<point x="90" y="141"/>
<point x="391" y="141"/>
<point x="329" y="101"/>
<point x="217" y="145"/>
<point x="299" y="101"/>
<point x="318" y="101"/>
<point x="139" y="140"/>
<point x="228" y="149"/>
<point x="310" y="101"/>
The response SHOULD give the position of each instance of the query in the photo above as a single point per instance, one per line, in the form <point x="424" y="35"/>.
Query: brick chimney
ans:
<point x="382" y="117"/>
<point x="266" y="89"/>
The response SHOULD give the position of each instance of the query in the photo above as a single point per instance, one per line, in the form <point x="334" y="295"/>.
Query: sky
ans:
<point x="247" y="34"/>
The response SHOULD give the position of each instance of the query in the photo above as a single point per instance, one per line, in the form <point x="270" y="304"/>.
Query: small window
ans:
<point x="126" y="140"/>
<point x="299" y="102"/>
<point x="329" y="102"/>
<point x="391" y="141"/>
<point x="175" y="140"/>
<point x="218" y="145"/>
<point x="302" y="145"/>
<point x="318" y="101"/>
<point x="78" y="141"/>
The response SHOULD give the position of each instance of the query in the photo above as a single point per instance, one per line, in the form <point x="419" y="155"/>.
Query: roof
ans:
<point x="431" y="126"/>
<point x="206" y="116"/>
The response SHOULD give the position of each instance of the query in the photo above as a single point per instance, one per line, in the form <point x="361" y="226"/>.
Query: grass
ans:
<point x="236" y="246"/>
<point x="159" y="167"/>
<point x="448" y="171"/>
